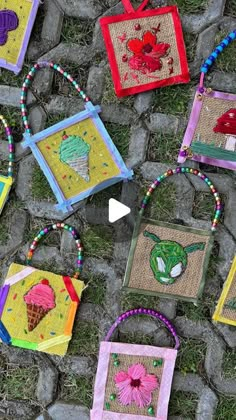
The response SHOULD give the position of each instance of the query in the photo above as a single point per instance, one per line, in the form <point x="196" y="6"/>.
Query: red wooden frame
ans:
<point x="184" y="77"/>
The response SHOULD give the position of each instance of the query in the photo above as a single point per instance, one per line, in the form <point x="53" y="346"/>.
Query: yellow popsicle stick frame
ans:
<point x="5" y="187"/>
<point x="218" y="314"/>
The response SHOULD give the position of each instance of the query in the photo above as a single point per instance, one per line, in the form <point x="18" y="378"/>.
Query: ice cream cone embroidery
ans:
<point x="39" y="300"/>
<point x="74" y="151"/>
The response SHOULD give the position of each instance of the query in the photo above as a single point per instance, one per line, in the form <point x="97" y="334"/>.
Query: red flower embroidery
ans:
<point x="147" y="53"/>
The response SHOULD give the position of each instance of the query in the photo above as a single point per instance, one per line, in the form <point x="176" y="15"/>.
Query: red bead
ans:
<point x="170" y="60"/>
<point x="137" y="27"/>
<point x="124" y="58"/>
<point x="169" y="172"/>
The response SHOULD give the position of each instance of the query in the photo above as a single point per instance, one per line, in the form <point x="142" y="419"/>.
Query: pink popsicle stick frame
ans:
<point x="107" y="348"/>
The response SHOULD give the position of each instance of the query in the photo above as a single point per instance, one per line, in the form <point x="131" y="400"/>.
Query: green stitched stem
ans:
<point x="151" y="236"/>
<point x="195" y="247"/>
<point x="199" y="148"/>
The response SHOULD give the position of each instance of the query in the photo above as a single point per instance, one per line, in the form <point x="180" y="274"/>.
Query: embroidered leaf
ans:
<point x="151" y="236"/>
<point x="231" y="304"/>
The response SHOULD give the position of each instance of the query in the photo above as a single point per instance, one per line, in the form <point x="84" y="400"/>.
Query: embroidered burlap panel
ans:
<point x="212" y="109"/>
<point x="165" y="35"/>
<point x="188" y="284"/>
<point x="125" y="362"/>
<point x="226" y="311"/>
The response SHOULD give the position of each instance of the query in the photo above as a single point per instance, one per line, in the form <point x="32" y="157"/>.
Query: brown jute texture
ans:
<point x="187" y="285"/>
<point x="166" y="35"/>
<point x="230" y="313"/>
<point x="212" y="109"/>
<point x="125" y="362"/>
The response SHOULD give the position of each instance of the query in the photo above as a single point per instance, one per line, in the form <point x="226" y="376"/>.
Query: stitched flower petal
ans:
<point x="125" y="395"/>
<point x="136" y="371"/>
<point x="149" y="382"/>
<point x="160" y="49"/>
<point x="149" y="38"/>
<point x="141" y="397"/>
<point x="122" y="379"/>
<point x="135" y="45"/>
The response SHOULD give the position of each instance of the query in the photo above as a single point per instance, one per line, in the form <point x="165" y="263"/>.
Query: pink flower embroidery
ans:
<point x="147" y="53"/>
<point x="136" y="386"/>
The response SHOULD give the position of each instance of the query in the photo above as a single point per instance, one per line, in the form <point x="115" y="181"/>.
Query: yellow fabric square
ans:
<point x="52" y="327"/>
<point x="5" y="186"/>
<point x="11" y="49"/>
<point x="229" y="286"/>
<point x="99" y="159"/>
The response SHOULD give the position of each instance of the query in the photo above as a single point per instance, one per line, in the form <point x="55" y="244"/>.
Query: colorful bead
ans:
<point x="107" y="405"/>
<point x="112" y="397"/>
<point x="137" y="27"/>
<point x="116" y="363"/>
<point x="157" y="362"/>
<point x="151" y="410"/>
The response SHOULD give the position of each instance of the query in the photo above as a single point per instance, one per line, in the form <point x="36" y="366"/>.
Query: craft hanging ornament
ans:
<point x="164" y="257"/>
<point x="7" y="181"/>
<point x="77" y="154"/>
<point x="16" y="22"/>
<point x="38" y="308"/>
<point x="225" y="311"/>
<point x="145" y="48"/>
<point x="134" y="381"/>
<point x="210" y="136"/>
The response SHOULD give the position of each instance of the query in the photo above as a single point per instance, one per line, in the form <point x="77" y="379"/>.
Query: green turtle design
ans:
<point x="169" y="259"/>
<point x="231" y="304"/>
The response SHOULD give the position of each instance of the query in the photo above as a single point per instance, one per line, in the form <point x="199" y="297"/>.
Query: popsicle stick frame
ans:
<point x="210" y="136"/>
<point x="77" y="155"/>
<point x="7" y="181"/>
<point x="226" y="308"/>
<point x="16" y="22"/>
<point x="37" y="307"/>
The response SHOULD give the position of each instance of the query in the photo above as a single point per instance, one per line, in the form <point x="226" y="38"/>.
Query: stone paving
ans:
<point x="138" y="116"/>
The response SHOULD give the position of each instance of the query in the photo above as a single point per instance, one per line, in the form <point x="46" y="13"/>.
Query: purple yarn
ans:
<point x="8" y="22"/>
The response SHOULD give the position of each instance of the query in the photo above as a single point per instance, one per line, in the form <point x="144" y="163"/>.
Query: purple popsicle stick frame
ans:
<point x="200" y="152"/>
<point x="16" y="68"/>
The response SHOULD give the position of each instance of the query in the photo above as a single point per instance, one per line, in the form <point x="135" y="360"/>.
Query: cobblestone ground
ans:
<point x="39" y="386"/>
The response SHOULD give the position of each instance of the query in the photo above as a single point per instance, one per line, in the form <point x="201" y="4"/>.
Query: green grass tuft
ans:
<point x="109" y="96"/>
<point x="230" y="8"/>
<point x="229" y="364"/>
<point x="101" y="198"/>
<point x="136" y="300"/>
<point x="183" y="404"/>
<point x="191" y="45"/>
<point x="98" y="241"/>
<point x="120" y="135"/>
<point x="77" y="31"/>
<point x="191" y="6"/>
<point x="226" y="409"/>
<point x="85" y="341"/>
<point x="191" y="356"/>
<point x="203" y="207"/>
<point x="13" y="118"/>
<point x="173" y="100"/>
<point x="40" y="187"/>
<point x="227" y="60"/>
<point x="136" y="338"/>
<point x="95" y="292"/>
<point x="18" y="382"/>
<point x="162" y="203"/>
<point x="164" y="147"/>
<point x="76" y="388"/>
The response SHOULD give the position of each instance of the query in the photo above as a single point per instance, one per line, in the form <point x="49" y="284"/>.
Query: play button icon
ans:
<point x="117" y="210"/>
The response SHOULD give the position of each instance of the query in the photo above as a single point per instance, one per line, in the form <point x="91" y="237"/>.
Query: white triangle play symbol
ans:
<point x="117" y="210"/>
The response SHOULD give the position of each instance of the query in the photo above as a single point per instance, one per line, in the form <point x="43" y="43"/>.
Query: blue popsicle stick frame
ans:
<point x="91" y="111"/>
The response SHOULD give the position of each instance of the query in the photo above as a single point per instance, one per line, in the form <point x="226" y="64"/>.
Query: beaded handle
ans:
<point x="30" y="77"/>
<point x="42" y="233"/>
<point x="11" y="146"/>
<point x="130" y="9"/>
<point x="170" y="172"/>
<point x="143" y="311"/>
<point x="213" y="56"/>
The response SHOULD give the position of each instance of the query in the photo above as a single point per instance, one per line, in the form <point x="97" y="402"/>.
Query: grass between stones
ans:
<point x="98" y="241"/>
<point x="17" y="382"/>
<point x="164" y="147"/>
<point x="230" y="8"/>
<point x="226" y="409"/>
<point x="6" y="215"/>
<point x="40" y="187"/>
<point x="173" y="100"/>
<point x="229" y="364"/>
<point x="191" y="356"/>
<point x="120" y="135"/>
<point x="95" y="293"/>
<point x="191" y="6"/>
<point x="85" y="339"/>
<point x="162" y="204"/>
<point x="227" y="60"/>
<point x="183" y="404"/>
<point x="13" y="118"/>
<point x="109" y="96"/>
<point x="203" y="206"/>
<point x="75" y="388"/>
<point x="101" y="198"/>
<point x="136" y="300"/>
<point x="77" y="31"/>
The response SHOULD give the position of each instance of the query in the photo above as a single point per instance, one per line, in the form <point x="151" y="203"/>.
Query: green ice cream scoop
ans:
<point x="73" y="147"/>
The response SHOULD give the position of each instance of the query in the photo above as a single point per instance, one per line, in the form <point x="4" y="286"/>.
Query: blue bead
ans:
<point x="219" y="48"/>
<point x="203" y="70"/>
<point x="232" y="35"/>
<point x="225" y="41"/>
<point x="214" y="54"/>
<point x="212" y="58"/>
<point x="228" y="38"/>
<point x="222" y="44"/>
<point x="208" y="61"/>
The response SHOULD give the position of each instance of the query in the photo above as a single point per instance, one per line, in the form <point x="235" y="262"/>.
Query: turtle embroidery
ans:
<point x="231" y="304"/>
<point x="169" y="259"/>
